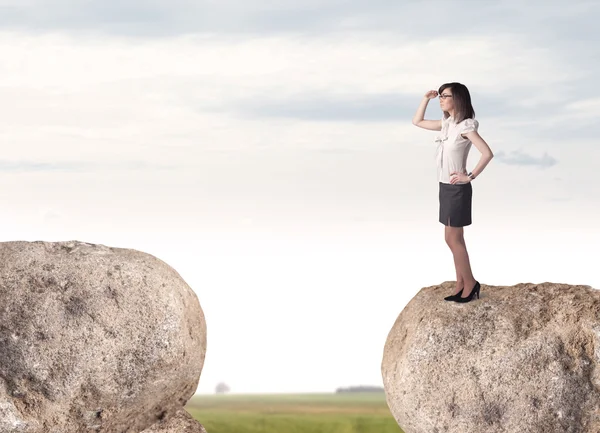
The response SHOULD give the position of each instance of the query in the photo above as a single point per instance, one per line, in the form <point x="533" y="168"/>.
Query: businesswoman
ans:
<point x="458" y="131"/>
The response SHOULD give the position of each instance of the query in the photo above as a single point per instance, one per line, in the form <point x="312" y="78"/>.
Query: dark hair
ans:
<point x="462" y="101"/>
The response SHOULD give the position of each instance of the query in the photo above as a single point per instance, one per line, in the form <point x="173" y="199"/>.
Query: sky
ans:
<point x="265" y="151"/>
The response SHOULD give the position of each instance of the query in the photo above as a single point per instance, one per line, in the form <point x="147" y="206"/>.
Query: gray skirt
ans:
<point x="455" y="204"/>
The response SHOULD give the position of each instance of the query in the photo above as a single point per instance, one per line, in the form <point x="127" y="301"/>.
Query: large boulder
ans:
<point x="94" y="339"/>
<point x="523" y="358"/>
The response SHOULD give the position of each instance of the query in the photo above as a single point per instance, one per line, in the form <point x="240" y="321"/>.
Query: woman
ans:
<point x="459" y="130"/>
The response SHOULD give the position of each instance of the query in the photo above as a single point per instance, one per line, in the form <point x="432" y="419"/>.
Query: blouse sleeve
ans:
<point x="469" y="126"/>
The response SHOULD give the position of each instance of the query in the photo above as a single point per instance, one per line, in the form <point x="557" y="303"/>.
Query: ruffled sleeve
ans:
<point x="469" y="125"/>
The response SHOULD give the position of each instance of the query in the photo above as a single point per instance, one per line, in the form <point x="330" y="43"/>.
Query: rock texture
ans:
<point x="181" y="422"/>
<point x="94" y="339"/>
<point x="523" y="358"/>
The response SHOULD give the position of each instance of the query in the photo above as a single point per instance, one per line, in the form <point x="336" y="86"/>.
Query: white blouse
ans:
<point x="453" y="148"/>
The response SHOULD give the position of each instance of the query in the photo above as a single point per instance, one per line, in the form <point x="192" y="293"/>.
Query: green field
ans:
<point x="294" y="413"/>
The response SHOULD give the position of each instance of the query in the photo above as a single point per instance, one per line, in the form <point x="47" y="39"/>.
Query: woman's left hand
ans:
<point x="459" y="177"/>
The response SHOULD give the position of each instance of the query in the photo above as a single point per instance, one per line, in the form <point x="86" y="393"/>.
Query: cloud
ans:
<point x="584" y="108"/>
<point x="419" y="19"/>
<point x="211" y="92"/>
<point x="353" y="107"/>
<point x="79" y="166"/>
<point x="206" y="94"/>
<point x="517" y="157"/>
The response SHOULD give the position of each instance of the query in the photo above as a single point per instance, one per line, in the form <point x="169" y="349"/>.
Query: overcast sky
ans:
<point x="265" y="150"/>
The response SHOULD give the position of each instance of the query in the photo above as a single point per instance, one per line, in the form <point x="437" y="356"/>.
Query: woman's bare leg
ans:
<point x="464" y="275"/>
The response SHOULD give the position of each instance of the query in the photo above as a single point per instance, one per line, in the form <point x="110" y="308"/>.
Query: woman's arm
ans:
<point x="482" y="146"/>
<point x="433" y="125"/>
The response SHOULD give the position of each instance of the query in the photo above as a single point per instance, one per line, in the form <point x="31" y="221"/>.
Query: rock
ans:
<point x="94" y="339"/>
<point x="523" y="358"/>
<point x="181" y="422"/>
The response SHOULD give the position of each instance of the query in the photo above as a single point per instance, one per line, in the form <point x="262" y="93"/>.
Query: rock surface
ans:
<point x="181" y="422"/>
<point x="94" y="339"/>
<point x="523" y="358"/>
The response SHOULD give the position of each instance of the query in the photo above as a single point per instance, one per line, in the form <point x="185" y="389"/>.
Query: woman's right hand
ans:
<point x="431" y="94"/>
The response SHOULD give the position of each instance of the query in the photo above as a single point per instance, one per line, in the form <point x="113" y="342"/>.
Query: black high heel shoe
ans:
<point x="471" y="296"/>
<point x="453" y="297"/>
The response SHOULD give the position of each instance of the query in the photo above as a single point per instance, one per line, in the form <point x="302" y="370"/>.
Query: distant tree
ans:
<point x="361" y="388"/>
<point x="222" y="388"/>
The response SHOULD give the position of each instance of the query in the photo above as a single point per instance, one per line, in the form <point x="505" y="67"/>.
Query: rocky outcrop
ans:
<point x="523" y="358"/>
<point x="95" y="339"/>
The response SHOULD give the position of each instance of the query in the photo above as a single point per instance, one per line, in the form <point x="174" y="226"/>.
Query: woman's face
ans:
<point x="446" y="102"/>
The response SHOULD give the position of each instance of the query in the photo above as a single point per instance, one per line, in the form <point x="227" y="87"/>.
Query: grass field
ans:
<point x="294" y="413"/>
